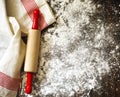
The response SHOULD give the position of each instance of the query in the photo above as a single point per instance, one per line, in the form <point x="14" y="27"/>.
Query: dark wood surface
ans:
<point x="110" y="82"/>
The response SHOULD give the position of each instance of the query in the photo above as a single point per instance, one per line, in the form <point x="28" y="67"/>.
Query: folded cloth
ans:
<point x="12" y="48"/>
<point x="12" y="52"/>
<point x="22" y="10"/>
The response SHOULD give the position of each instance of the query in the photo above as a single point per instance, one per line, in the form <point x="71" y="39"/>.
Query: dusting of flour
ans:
<point x="74" y="54"/>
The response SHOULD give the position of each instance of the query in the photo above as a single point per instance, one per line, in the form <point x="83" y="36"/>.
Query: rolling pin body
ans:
<point x="32" y="51"/>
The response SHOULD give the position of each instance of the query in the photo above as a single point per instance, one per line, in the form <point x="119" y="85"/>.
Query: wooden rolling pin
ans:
<point x="32" y="51"/>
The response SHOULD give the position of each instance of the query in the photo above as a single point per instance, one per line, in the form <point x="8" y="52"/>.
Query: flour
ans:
<point x="73" y="56"/>
<point x="76" y="52"/>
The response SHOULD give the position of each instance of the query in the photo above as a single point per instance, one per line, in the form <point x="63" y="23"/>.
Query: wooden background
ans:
<point x="111" y="83"/>
<point x="110" y="13"/>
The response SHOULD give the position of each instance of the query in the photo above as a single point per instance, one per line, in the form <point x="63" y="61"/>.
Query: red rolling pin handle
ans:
<point x="35" y="19"/>
<point x="28" y="89"/>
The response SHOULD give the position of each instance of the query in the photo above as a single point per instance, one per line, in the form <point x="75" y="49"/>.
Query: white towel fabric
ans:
<point x="12" y="48"/>
<point x="12" y="51"/>
<point x="11" y="62"/>
<point x="22" y="10"/>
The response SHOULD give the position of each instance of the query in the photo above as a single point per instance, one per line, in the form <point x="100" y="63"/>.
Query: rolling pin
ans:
<point x="32" y="51"/>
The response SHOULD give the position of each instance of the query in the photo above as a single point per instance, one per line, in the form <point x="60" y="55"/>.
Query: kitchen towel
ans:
<point x="22" y="10"/>
<point x="16" y="17"/>
<point x="12" y="52"/>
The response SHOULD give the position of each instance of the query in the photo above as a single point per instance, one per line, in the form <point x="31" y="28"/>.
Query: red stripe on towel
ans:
<point x="9" y="82"/>
<point x="30" y="5"/>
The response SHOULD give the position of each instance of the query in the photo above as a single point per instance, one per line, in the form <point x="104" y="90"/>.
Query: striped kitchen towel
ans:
<point x="12" y="48"/>
<point x="12" y="52"/>
<point x="22" y="10"/>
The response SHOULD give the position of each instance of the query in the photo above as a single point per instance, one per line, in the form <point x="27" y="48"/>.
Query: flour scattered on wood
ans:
<point x="75" y="59"/>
